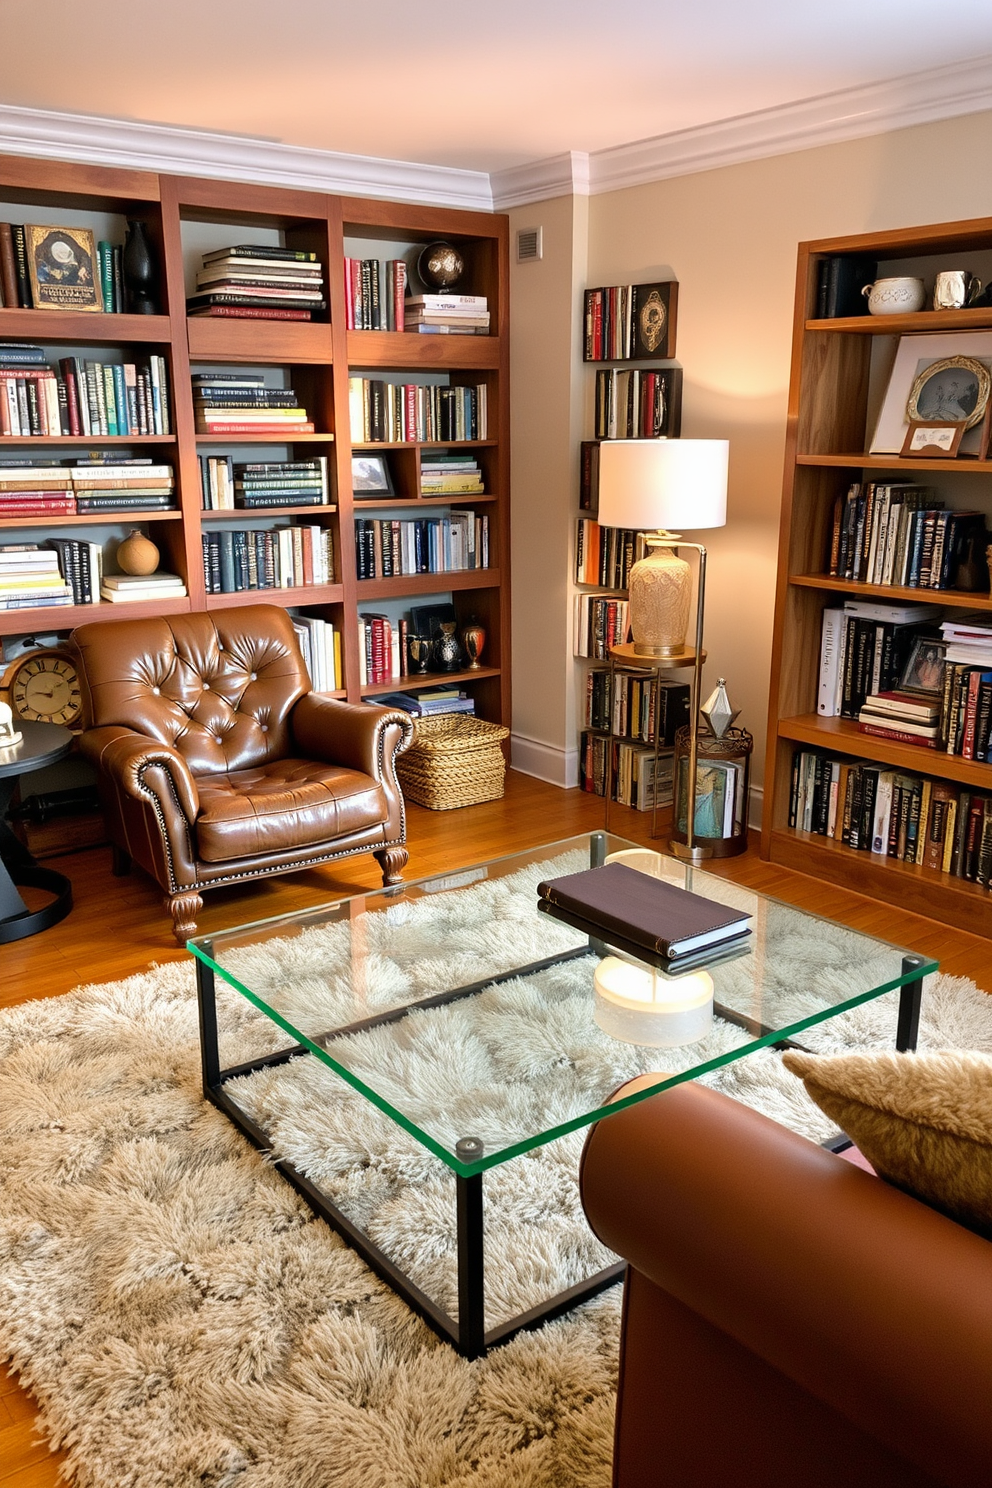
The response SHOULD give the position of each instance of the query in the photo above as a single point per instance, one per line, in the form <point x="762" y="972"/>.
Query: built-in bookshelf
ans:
<point x="861" y="522"/>
<point x="245" y="521"/>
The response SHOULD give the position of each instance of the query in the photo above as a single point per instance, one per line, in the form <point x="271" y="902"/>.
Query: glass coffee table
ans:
<point x="469" y="1019"/>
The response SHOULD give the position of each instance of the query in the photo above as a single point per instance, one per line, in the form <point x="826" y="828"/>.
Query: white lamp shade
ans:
<point x="676" y="484"/>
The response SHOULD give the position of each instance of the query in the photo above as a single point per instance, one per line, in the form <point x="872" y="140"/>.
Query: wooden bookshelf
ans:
<point x="317" y="357"/>
<point x="832" y="400"/>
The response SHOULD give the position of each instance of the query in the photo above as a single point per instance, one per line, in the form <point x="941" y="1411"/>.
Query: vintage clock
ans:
<point x="43" y="687"/>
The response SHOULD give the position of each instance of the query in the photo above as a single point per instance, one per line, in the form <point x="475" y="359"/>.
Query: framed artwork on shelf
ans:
<point x="930" y="376"/>
<point x="652" y="314"/>
<point x="62" y="268"/>
<point x="924" y="669"/>
<point x="931" y="439"/>
<point x="370" y="476"/>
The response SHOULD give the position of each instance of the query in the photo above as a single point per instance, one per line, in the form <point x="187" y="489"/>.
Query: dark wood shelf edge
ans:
<point x="958" y="598"/>
<point x="843" y="736"/>
<point x="404" y="584"/>
<point x="429" y="679"/>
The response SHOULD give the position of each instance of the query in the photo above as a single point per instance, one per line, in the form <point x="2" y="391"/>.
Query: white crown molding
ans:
<point x="541" y="180"/>
<point x="852" y="113"/>
<point x="194" y="152"/>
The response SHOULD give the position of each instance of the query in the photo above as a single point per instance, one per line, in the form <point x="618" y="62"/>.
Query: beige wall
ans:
<point x="730" y="237"/>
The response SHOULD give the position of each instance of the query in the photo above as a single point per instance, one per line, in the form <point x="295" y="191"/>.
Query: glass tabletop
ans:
<point x="486" y="1028"/>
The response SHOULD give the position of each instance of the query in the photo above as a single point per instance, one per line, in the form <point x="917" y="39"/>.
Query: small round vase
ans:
<point x="447" y="652"/>
<point x="474" y="639"/>
<point x="899" y="296"/>
<point x="137" y="554"/>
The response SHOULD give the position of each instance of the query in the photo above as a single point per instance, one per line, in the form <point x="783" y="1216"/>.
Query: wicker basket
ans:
<point x="454" y="760"/>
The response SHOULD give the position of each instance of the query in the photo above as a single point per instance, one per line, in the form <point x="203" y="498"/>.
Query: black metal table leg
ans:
<point x="206" y="996"/>
<point x="471" y="1255"/>
<point x="910" y="997"/>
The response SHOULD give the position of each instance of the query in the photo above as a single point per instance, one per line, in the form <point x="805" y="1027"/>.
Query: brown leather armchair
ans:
<point x="788" y="1317"/>
<point x="217" y="763"/>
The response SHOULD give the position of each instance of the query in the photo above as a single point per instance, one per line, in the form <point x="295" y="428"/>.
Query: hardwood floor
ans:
<point x="118" y="926"/>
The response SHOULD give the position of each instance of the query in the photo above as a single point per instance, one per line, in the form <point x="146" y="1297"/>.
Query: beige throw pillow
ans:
<point x="923" y="1121"/>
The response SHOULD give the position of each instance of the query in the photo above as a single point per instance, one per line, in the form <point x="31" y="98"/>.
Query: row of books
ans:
<point x="15" y="279"/>
<point x="601" y="621"/>
<point x="30" y="488"/>
<point x="380" y="648"/>
<point x="635" y="404"/>
<point x="403" y="413"/>
<point x="959" y="723"/>
<point x="388" y="548"/>
<point x="374" y="291"/>
<point x="67" y="571"/>
<point x="272" y="558"/>
<point x="637" y="707"/>
<point x="450" y="475"/>
<point x="321" y="647"/>
<point x="893" y="813"/>
<point x="627" y="321"/>
<point x="898" y="534"/>
<point x="242" y="403"/>
<point x="253" y="281"/>
<point x="70" y="270"/>
<point x="84" y="397"/>
<point x="603" y="555"/>
<point x="635" y="777"/>
<point x="865" y="648"/>
<point x="227" y="485"/>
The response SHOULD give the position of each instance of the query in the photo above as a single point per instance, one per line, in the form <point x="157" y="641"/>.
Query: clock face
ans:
<point x="45" y="689"/>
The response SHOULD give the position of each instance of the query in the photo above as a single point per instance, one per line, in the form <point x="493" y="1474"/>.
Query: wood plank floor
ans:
<point x="118" y="926"/>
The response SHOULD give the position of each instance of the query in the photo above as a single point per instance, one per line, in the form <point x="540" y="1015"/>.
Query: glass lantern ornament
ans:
<point x="718" y="711"/>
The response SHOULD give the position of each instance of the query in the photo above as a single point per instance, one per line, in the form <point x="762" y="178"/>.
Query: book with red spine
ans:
<point x="898" y="735"/>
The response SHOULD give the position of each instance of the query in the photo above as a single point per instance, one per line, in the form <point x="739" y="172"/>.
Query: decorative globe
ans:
<point x="440" y="265"/>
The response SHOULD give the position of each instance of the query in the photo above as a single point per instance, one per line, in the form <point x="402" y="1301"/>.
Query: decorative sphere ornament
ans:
<point x="137" y="554"/>
<point x="717" y="710"/>
<point x="440" y="265"/>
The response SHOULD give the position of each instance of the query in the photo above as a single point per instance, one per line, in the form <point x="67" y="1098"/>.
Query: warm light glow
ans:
<point x="643" y="1006"/>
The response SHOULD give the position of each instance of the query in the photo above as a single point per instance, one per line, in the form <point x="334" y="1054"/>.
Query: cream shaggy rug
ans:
<point x="182" y="1318"/>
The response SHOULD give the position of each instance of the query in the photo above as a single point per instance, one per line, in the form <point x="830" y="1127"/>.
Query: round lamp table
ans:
<point x="41" y="744"/>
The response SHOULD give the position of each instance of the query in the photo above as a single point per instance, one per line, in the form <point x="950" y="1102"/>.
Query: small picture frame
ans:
<point x="63" y="268"/>
<point x="933" y="439"/>
<point x="370" y="476"/>
<point x="924" y="669"/>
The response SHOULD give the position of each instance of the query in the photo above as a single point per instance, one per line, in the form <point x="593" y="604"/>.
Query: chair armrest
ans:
<point x="356" y="735"/>
<point x="126" y="756"/>
<point x="870" y="1301"/>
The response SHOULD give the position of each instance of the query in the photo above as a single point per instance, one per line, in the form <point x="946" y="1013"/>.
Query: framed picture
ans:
<point x="916" y="355"/>
<point x="62" y="265"/>
<point x="924" y="669"/>
<point x="370" y="476"/>
<point x="933" y="440"/>
<point x="955" y="389"/>
<point x="653" y="315"/>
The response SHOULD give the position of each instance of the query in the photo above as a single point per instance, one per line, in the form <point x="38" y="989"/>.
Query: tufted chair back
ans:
<point x="218" y="688"/>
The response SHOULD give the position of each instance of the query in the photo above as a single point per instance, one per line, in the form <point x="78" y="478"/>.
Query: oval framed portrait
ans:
<point x="951" y="390"/>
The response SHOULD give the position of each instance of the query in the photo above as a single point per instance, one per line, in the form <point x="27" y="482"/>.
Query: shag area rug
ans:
<point x="184" y="1320"/>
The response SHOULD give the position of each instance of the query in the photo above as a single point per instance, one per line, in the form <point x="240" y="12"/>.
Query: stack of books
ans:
<point x="275" y="558"/>
<point x="241" y="403"/>
<point x="864" y="648"/>
<point x="35" y="488"/>
<point x="424" y="702"/>
<point x="907" y="717"/>
<point x="127" y="588"/>
<point x="450" y="475"/>
<point x="259" y="283"/>
<point x="110" y="483"/>
<point x="321" y="647"/>
<point x="374" y="294"/>
<point x="30" y="577"/>
<point x="227" y="486"/>
<point x="447" y="315"/>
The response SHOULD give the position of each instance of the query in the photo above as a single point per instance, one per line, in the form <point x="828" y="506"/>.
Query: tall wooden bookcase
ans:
<point x="186" y="215"/>
<point x="839" y="371"/>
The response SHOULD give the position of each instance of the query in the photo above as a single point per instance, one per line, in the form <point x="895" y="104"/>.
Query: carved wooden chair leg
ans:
<point x="120" y="861"/>
<point x="184" y="909"/>
<point x="392" y="861"/>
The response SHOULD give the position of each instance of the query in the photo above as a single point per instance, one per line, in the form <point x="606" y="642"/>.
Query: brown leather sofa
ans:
<point x="217" y="763"/>
<point x="788" y="1318"/>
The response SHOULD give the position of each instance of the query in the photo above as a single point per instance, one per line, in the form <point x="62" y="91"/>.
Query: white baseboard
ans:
<point x="545" y="761"/>
<point x="755" y="806"/>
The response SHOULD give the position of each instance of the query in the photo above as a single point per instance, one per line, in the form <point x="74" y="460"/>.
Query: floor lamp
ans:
<point x="655" y="486"/>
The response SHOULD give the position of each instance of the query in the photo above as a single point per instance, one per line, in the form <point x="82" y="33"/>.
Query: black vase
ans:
<point x="138" y="268"/>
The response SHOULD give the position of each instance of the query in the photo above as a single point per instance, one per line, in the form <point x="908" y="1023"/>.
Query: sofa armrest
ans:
<point x="868" y="1300"/>
<point x="126" y="756"/>
<point x="356" y="735"/>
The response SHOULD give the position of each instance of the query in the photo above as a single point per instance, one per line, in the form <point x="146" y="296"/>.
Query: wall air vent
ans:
<point x="530" y="244"/>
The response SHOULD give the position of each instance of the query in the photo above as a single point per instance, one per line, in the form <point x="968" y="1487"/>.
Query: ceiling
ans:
<point x="474" y="86"/>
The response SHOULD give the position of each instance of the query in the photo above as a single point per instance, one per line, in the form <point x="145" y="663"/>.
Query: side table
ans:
<point x="42" y="744"/>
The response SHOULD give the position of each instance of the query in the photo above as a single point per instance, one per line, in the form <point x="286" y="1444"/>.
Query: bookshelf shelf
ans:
<point x="188" y="217"/>
<point x="839" y="372"/>
<point x="429" y="679"/>
<point x="397" y="350"/>
<point x="82" y="327"/>
<point x="373" y="446"/>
